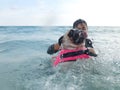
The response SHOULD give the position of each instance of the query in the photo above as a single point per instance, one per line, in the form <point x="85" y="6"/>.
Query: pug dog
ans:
<point x="74" y="39"/>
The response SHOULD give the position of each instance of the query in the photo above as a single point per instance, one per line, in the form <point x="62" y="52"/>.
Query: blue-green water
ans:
<point x="25" y="65"/>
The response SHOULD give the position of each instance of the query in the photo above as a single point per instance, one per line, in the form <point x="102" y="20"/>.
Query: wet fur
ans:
<point x="67" y="43"/>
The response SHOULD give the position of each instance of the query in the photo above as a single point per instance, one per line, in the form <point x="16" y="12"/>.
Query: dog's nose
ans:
<point x="79" y="33"/>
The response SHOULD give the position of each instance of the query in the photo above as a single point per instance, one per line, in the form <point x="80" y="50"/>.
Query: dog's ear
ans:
<point x="70" y="34"/>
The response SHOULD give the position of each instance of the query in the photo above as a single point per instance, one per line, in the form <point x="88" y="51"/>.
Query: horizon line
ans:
<point x="54" y="26"/>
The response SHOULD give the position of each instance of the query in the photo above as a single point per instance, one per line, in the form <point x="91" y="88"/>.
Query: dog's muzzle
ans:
<point x="78" y="36"/>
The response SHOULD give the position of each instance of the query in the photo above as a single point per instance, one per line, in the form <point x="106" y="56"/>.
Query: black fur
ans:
<point x="77" y="36"/>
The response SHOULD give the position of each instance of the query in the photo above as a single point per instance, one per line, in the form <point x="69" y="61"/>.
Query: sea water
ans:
<point x="25" y="64"/>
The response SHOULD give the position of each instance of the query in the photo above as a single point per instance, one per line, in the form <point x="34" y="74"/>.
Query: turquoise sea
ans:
<point x="25" y="65"/>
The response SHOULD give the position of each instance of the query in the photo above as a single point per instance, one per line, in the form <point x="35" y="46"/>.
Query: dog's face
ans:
<point x="77" y="36"/>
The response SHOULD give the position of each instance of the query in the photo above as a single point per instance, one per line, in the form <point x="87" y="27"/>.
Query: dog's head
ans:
<point x="77" y="36"/>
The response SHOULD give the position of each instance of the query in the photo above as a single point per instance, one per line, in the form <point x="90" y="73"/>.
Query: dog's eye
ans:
<point x="76" y="36"/>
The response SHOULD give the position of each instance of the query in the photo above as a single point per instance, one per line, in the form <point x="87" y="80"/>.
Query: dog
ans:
<point x="72" y="45"/>
<point x="74" y="39"/>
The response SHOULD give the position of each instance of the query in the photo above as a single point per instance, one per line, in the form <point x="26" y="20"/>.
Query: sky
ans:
<point x="59" y="12"/>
